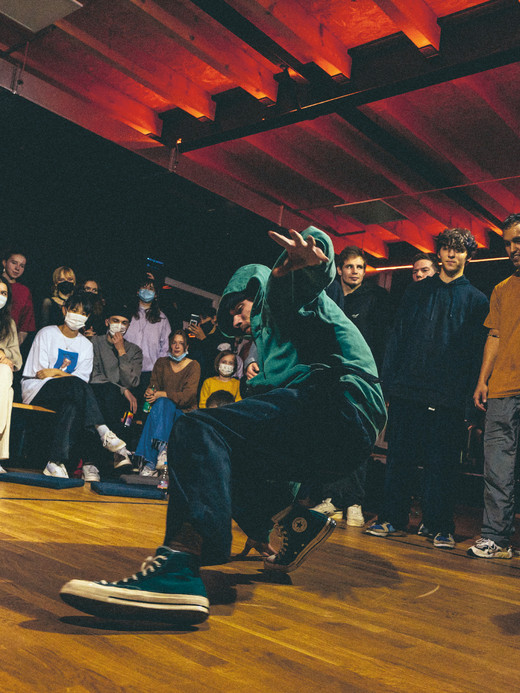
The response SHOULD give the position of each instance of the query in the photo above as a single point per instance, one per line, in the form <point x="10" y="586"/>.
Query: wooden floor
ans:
<point x="362" y="614"/>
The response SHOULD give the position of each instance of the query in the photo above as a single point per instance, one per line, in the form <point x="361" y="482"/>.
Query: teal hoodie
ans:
<point x="297" y="328"/>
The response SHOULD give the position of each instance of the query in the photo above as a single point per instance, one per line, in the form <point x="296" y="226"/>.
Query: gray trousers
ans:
<point x="500" y="446"/>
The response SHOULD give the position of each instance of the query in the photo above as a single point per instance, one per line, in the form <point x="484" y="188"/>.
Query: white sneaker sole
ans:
<point x="323" y="534"/>
<point x="55" y="476"/>
<point x="123" y="603"/>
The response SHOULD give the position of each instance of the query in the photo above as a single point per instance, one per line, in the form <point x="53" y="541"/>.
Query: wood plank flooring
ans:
<point x="362" y="614"/>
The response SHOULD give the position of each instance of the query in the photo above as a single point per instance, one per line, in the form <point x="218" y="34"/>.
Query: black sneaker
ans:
<point x="423" y="531"/>
<point x="167" y="588"/>
<point x="302" y="530"/>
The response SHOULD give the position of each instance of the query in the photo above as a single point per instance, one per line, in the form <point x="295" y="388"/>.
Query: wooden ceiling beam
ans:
<point x="425" y="129"/>
<point x="295" y="29"/>
<point x="210" y="42"/>
<point x="74" y="108"/>
<point x="416" y="19"/>
<point x="179" y="90"/>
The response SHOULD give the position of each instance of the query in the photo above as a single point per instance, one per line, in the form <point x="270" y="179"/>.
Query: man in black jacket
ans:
<point x="429" y="373"/>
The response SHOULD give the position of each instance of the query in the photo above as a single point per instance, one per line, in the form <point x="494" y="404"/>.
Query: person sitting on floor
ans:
<point x="115" y="372"/>
<point x="225" y="368"/>
<point x="56" y="376"/>
<point x="173" y="391"/>
<point x="10" y="360"/>
<point x="63" y="283"/>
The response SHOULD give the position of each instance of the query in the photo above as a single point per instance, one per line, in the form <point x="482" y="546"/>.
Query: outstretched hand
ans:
<point x="300" y="252"/>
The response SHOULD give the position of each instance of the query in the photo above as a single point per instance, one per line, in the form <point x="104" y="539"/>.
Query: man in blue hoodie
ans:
<point x="429" y="373"/>
<point x="317" y="410"/>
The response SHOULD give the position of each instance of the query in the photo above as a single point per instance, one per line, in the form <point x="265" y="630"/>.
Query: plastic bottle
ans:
<point x="147" y="406"/>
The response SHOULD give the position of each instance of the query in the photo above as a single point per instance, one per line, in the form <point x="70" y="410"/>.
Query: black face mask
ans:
<point x="207" y="327"/>
<point x="65" y="288"/>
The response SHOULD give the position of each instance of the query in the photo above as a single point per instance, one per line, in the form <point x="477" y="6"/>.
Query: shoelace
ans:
<point x="149" y="565"/>
<point x="284" y="536"/>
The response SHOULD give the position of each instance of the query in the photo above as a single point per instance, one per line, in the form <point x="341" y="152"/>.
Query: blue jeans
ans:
<point x="431" y="435"/>
<point x="500" y="449"/>
<point x="309" y="433"/>
<point x="156" y="431"/>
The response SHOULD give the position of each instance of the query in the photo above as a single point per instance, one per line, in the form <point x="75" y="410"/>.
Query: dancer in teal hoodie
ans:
<point x="316" y="411"/>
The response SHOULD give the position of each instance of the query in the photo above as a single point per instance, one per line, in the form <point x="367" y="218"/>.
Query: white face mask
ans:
<point x="3" y="301"/>
<point x="74" y="321"/>
<point x="226" y="369"/>
<point x="116" y="327"/>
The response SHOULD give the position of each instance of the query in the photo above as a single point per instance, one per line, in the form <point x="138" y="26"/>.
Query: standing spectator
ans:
<point x="10" y="360"/>
<point x="149" y="329"/>
<point x="173" y="391"/>
<point x="498" y="394"/>
<point x="429" y="373"/>
<point x="225" y="368"/>
<point x="115" y="373"/>
<point x="368" y="306"/>
<point x="423" y="266"/>
<point x="63" y="283"/>
<point x="96" y="322"/>
<point x="56" y="376"/>
<point x="22" y="310"/>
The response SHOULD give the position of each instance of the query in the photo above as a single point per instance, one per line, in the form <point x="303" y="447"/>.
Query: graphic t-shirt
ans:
<point x="51" y="349"/>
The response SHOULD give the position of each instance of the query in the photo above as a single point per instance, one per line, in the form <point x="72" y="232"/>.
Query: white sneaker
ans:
<point x="121" y="460"/>
<point x="90" y="473"/>
<point x="2" y="470"/>
<point x="112" y="442"/>
<point x="57" y="470"/>
<point x="162" y="459"/>
<point x="355" y="516"/>
<point x="327" y="507"/>
<point x="148" y="471"/>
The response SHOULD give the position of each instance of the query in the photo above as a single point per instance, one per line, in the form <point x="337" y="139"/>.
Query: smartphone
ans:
<point x="194" y="319"/>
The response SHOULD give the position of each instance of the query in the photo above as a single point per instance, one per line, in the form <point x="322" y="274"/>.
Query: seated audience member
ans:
<point x="205" y="338"/>
<point x="225" y="367"/>
<point x="22" y="310"/>
<point x="10" y="360"/>
<point x="173" y="390"/>
<point x="149" y="329"/>
<point x="63" y="283"/>
<point x="56" y="376"/>
<point x="116" y="371"/>
<point x="424" y="265"/>
<point x="96" y="322"/>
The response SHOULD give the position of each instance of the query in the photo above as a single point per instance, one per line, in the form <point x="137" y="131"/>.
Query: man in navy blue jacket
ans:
<point x="430" y="370"/>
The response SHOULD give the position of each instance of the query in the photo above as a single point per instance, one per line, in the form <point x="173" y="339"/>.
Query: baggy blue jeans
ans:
<point x="163" y="414"/>
<point x="308" y="433"/>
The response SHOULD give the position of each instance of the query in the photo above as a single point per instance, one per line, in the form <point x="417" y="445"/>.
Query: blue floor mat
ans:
<point x="106" y="488"/>
<point x="30" y="479"/>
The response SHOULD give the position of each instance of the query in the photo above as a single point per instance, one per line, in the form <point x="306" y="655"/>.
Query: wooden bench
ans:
<point x="32" y="407"/>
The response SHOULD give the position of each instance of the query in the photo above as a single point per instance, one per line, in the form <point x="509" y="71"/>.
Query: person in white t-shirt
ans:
<point x="56" y="376"/>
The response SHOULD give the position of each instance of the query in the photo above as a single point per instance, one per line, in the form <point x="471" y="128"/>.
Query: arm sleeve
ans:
<point x="186" y="396"/>
<point x="163" y="337"/>
<point x="38" y="357"/>
<point x="252" y="356"/>
<point x="26" y="322"/>
<point x="85" y="361"/>
<point x="492" y="320"/>
<point x="205" y="392"/>
<point x="130" y="366"/>
<point x="237" y="391"/>
<point x="287" y="294"/>
<point x="11" y="347"/>
<point x="156" y="379"/>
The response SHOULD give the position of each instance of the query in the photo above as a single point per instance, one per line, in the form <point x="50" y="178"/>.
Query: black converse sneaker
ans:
<point x="302" y="530"/>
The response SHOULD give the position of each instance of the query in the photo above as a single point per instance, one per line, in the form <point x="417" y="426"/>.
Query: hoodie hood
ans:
<point x="249" y="279"/>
